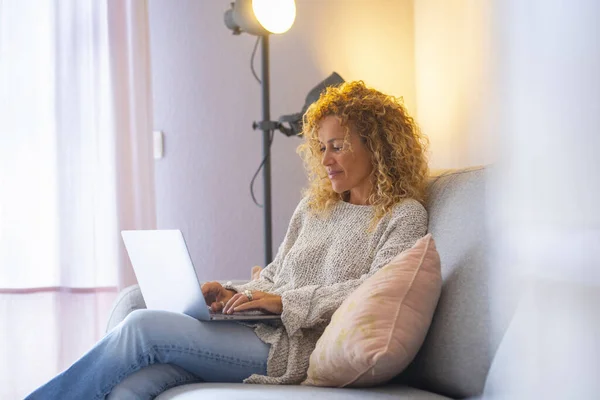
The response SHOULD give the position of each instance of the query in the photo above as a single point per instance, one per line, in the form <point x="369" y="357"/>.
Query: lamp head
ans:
<point x="260" y="17"/>
<point x="295" y="120"/>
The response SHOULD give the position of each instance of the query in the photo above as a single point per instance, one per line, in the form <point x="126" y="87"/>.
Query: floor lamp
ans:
<point x="262" y="18"/>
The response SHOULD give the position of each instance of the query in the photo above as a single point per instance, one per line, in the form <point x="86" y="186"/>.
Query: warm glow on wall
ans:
<point x="374" y="42"/>
<point x="451" y="61"/>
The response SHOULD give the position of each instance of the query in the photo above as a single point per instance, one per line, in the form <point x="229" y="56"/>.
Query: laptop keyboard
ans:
<point x="246" y="313"/>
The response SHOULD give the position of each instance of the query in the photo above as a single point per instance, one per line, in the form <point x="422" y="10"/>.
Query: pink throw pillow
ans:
<point x="379" y="328"/>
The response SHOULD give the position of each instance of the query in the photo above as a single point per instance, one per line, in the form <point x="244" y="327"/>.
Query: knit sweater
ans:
<point x="320" y="262"/>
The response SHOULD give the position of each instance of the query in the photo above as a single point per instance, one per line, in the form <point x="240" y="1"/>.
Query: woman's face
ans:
<point x="348" y="170"/>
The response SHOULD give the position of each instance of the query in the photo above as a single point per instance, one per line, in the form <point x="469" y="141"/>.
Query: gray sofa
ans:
<point x="457" y="353"/>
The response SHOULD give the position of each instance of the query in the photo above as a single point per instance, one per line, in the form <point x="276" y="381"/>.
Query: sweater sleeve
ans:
<point x="267" y="275"/>
<point x="312" y="305"/>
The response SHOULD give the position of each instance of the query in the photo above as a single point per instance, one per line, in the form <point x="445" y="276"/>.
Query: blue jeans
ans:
<point x="151" y="351"/>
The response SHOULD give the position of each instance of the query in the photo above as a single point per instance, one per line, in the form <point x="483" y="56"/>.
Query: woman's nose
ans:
<point x="326" y="159"/>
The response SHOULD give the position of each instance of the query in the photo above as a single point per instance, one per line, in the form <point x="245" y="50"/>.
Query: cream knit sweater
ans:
<point x="320" y="262"/>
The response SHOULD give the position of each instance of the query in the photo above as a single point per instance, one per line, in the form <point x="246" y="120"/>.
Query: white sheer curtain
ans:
<point x="545" y="199"/>
<point x="75" y="168"/>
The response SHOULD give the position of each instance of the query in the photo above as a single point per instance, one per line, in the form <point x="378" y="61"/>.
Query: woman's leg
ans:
<point x="212" y="351"/>
<point x="150" y="381"/>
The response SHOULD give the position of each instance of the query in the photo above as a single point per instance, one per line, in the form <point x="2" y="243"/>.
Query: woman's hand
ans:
<point x="216" y="296"/>
<point x="260" y="301"/>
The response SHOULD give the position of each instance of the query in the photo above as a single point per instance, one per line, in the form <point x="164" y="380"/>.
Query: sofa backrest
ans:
<point x="456" y="356"/>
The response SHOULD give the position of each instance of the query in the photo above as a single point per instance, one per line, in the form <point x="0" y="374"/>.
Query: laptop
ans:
<point x="167" y="277"/>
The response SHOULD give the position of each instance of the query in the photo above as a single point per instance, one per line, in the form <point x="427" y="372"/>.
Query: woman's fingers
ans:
<point x="217" y="306"/>
<point x="269" y="302"/>
<point x="260" y="300"/>
<point x="210" y="291"/>
<point x="250" y="305"/>
<point x="235" y="301"/>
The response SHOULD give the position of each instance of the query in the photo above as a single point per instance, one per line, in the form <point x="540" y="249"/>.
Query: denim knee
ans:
<point x="149" y="325"/>
<point x="144" y="318"/>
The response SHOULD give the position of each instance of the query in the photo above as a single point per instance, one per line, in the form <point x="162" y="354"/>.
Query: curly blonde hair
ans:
<point x="397" y="146"/>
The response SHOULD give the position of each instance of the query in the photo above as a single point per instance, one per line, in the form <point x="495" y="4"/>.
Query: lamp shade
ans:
<point x="295" y="120"/>
<point x="261" y="17"/>
<point x="276" y="16"/>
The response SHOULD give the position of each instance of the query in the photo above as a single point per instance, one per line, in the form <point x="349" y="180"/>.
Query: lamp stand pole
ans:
<point x="266" y="116"/>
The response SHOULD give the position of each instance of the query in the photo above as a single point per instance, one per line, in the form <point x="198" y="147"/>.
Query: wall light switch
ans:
<point x="158" y="145"/>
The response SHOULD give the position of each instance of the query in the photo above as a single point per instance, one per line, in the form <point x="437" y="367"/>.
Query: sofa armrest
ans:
<point x="131" y="299"/>
<point x="128" y="300"/>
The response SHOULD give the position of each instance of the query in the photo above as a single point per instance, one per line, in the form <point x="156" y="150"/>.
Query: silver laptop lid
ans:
<point x="165" y="272"/>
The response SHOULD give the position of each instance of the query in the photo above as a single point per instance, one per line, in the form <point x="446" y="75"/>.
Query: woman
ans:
<point x="367" y="171"/>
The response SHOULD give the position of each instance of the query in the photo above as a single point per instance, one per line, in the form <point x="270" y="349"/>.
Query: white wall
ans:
<point x="452" y="51"/>
<point x="205" y="100"/>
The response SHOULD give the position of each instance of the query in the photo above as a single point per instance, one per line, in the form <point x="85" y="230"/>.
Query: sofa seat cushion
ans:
<point x="234" y="391"/>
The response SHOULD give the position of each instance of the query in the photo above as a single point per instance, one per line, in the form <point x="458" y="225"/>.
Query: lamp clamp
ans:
<point x="265" y="125"/>
<point x="275" y="125"/>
